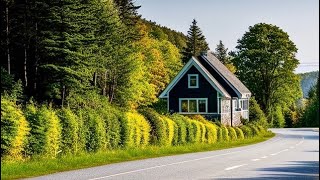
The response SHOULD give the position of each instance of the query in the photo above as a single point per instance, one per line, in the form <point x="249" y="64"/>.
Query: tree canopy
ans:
<point x="265" y="61"/>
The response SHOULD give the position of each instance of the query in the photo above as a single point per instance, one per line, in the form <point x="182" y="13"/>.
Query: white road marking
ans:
<point x="181" y="162"/>
<point x="234" y="167"/>
<point x="255" y="159"/>
<point x="299" y="143"/>
<point x="291" y="147"/>
<point x="263" y="157"/>
<point x="279" y="152"/>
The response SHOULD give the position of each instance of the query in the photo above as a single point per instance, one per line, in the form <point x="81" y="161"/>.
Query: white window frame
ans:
<point x="197" y="99"/>
<point x="197" y="80"/>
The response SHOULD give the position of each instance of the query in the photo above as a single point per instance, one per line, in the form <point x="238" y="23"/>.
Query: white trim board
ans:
<point x="193" y="62"/>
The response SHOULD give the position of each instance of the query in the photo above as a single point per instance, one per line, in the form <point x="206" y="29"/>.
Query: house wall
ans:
<point x="181" y="90"/>
<point x="225" y="116"/>
<point x="236" y="119"/>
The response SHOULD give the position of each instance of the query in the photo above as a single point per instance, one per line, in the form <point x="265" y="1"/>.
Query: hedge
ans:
<point x="232" y="133"/>
<point x="14" y="131"/>
<point x="70" y="130"/>
<point x="158" y="132"/>
<point x="182" y="129"/>
<point x="45" y="137"/>
<point x="225" y="133"/>
<point x="239" y="133"/>
<point x="171" y="130"/>
<point x="137" y="130"/>
<point x="246" y="131"/>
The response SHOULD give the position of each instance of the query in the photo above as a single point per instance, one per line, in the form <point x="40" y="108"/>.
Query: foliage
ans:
<point x="137" y="130"/>
<point x="239" y="133"/>
<point x="246" y="131"/>
<point x="256" y="115"/>
<point x="222" y="54"/>
<point x="225" y="133"/>
<point x="277" y="118"/>
<point x="182" y="129"/>
<point x="196" y="42"/>
<point x="232" y="134"/>
<point x="14" y="131"/>
<point x="265" y="62"/>
<point x="45" y="134"/>
<point x="69" y="132"/>
<point x="308" y="80"/>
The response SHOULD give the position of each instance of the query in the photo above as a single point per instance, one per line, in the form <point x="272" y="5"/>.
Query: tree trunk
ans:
<point x="7" y="39"/>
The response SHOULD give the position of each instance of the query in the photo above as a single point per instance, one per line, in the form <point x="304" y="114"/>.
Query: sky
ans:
<point x="228" y="20"/>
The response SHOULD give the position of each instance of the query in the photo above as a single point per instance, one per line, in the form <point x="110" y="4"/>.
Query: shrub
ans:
<point x="95" y="136"/>
<point x="181" y="126"/>
<point x="211" y="132"/>
<point x="45" y="130"/>
<point x="190" y="129"/>
<point x="261" y="129"/>
<point x="239" y="132"/>
<point x="112" y="123"/>
<point x="256" y="114"/>
<point x="70" y="131"/>
<point x="277" y="118"/>
<point x="246" y="131"/>
<point x="14" y="131"/>
<point x="232" y="133"/>
<point x="255" y="131"/>
<point x="158" y="127"/>
<point x="137" y="130"/>
<point x="225" y="133"/>
<point x="171" y="130"/>
<point x="219" y="134"/>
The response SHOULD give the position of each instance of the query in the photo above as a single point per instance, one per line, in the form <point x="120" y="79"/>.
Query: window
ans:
<point x="193" y="81"/>
<point x="244" y="103"/>
<point x="193" y="105"/>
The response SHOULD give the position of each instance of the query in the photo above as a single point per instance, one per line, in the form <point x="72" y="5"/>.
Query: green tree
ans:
<point x="265" y="62"/>
<point x="222" y="54"/>
<point x="196" y="42"/>
<point x="256" y="114"/>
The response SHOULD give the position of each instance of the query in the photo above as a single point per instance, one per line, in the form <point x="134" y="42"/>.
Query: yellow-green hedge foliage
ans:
<point x="232" y="134"/>
<point x="219" y="134"/>
<point x="70" y="131"/>
<point x="45" y="131"/>
<point x="137" y="130"/>
<point x="159" y="136"/>
<point x="239" y="132"/>
<point x="111" y="118"/>
<point x="182" y="129"/>
<point x="95" y="131"/>
<point x="171" y="130"/>
<point x="225" y="133"/>
<point x="14" y="131"/>
<point x="211" y="128"/>
<point x="255" y="131"/>
<point x="246" y="131"/>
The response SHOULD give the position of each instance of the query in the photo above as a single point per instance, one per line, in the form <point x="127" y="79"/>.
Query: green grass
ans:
<point x="42" y="166"/>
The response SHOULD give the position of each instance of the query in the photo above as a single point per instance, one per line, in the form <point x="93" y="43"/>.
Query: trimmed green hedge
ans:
<point x="14" y="131"/>
<point x="232" y="134"/>
<point x="239" y="133"/>
<point x="182" y="129"/>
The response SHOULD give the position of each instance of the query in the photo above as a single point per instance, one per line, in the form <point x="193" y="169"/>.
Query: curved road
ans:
<point x="291" y="154"/>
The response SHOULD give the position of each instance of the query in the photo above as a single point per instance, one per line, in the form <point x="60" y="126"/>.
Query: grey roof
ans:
<point x="228" y="76"/>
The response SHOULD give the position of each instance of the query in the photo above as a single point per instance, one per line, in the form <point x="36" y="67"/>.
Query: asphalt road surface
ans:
<point x="291" y="154"/>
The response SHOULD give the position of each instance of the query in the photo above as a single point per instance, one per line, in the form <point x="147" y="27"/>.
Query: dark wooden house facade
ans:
<point x="205" y="86"/>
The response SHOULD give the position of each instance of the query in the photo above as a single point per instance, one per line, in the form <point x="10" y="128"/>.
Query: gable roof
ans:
<point x="194" y="62"/>
<point x="241" y="90"/>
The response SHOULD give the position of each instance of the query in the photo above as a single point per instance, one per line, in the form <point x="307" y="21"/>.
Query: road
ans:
<point x="291" y="154"/>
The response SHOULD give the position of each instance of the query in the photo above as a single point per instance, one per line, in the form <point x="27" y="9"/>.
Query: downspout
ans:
<point x="231" y="111"/>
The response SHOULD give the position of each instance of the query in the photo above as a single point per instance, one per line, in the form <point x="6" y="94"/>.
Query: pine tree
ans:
<point x="222" y="54"/>
<point x="127" y="11"/>
<point x="196" y="42"/>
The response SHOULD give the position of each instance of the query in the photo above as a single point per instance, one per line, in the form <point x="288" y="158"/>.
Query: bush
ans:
<point x="111" y="119"/>
<point x="182" y="129"/>
<point x="277" y="118"/>
<point x="171" y="130"/>
<point x="70" y="131"/>
<point x="246" y="131"/>
<point x="219" y="134"/>
<point x="158" y="127"/>
<point x="210" y="135"/>
<point x="239" y="132"/>
<point x="45" y="131"/>
<point x="232" y="133"/>
<point x="14" y="131"/>
<point x="256" y="115"/>
<point x="137" y="130"/>
<point x="255" y="131"/>
<point x="225" y="133"/>
<point x="94" y="130"/>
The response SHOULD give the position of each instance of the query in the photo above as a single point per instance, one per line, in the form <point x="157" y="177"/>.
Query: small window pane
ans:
<point x="184" y="106"/>
<point x="192" y="105"/>
<point x="193" y="81"/>
<point x="202" y="105"/>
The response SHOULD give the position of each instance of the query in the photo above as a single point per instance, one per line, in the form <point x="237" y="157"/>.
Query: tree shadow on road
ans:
<point x="297" y="170"/>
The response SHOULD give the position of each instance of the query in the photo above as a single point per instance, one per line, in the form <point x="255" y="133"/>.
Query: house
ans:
<point x="205" y="86"/>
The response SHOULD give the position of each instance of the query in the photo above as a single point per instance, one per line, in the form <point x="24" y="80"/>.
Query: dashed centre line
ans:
<point x="234" y="167"/>
<point x="255" y="159"/>
<point x="263" y="157"/>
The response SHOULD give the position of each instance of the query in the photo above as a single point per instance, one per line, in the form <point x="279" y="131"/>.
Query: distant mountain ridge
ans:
<point x="308" y="80"/>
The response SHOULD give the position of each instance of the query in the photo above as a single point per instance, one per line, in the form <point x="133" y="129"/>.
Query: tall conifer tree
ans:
<point x="196" y="42"/>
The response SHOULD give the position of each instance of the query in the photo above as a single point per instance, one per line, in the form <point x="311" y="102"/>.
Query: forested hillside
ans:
<point x="308" y="80"/>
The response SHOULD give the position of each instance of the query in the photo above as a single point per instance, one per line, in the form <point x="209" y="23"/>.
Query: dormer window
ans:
<point x="193" y="81"/>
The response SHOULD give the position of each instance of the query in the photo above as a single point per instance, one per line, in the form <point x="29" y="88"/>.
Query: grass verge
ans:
<point x="42" y="166"/>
